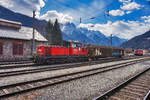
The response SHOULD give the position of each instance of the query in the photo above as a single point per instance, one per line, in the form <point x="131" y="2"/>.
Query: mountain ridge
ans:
<point x="138" y="42"/>
<point x="88" y="36"/>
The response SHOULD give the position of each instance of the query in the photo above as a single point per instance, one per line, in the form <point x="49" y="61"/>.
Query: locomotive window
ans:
<point x="74" y="45"/>
<point x="78" y="45"/>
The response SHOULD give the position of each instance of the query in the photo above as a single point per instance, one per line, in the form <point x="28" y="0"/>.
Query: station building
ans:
<point x="16" y="41"/>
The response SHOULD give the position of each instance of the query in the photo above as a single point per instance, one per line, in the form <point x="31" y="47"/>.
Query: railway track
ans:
<point x="135" y="88"/>
<point x="30" y="63"/>
<point x="20" y="64"/>
<point x="17" y="88"/>
<point x="11" y="66"/>
<point x="24" y="64"/>
<point x="14" y="62"/>
<point x="58" y="67"/>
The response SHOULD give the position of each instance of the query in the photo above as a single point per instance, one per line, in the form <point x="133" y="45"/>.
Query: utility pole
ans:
<point x="111" y="40"/>
<point x="107" y="13"/>
<point x="33" y="35"/>
<point x="80" y="20"/>
<point x="111" y="44"/>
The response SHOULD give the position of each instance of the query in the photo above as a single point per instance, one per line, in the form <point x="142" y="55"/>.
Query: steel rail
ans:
<point x="15" y="62"/>
<point x="11" y="65"/>
<point x="29" y="71"/>
<point x="110" y="92"/>
<point x="44" y="82"/>
<point x="147" y="97"/>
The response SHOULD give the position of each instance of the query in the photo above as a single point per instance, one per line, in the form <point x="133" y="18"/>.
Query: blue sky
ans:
<point x="96" y="8"/>
<point x="123" y="18"/>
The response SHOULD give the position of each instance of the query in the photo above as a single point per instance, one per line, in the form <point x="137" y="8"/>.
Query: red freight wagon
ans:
<point x="138" y="52"/>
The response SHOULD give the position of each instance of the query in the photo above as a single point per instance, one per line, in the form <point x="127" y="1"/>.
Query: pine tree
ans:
<point x="49" y="32"/>
<point x="54" y="34"/>
<point x="57" y="34"/>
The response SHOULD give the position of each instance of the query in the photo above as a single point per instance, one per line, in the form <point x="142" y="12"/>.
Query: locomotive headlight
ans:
<point x="39" y="50"/>
<point x="79" y="49"/>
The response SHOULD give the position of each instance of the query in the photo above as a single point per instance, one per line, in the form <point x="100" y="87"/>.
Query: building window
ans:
<point x="17" y="48"/>
<point x="1" y="47"/>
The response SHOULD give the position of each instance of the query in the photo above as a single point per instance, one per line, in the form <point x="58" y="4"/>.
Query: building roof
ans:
<point x="29" y="31"/>
<point x="20" y="32"/>
<point x="24" y="33"/>
<point x="8" y="23"/>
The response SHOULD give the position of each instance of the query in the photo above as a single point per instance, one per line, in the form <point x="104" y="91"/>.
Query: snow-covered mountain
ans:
<point x="71" y="32"/>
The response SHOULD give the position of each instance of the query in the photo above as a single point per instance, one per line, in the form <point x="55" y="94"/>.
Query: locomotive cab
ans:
<point x="77" y="49"/>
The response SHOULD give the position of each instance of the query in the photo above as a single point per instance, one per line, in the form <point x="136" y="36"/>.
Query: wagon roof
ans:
<point x="101" y="46"/>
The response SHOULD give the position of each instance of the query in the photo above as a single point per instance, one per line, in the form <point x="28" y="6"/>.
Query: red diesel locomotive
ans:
<point x="73" y="51"/>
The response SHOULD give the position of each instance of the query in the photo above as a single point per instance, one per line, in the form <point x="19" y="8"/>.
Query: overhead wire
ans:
<point x="88" y="13"/>
<point x="102" y="10"/>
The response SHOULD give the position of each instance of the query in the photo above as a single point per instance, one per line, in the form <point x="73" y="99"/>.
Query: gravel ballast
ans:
<point x="34" y="76"/>
<point x="85" y="88"/>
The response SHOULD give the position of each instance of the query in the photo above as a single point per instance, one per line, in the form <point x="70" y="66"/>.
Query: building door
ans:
<point x="18" y="48"/>
<point x="1" y="47"/>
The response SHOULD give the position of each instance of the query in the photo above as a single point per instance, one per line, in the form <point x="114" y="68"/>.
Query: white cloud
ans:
<point x="125" y="1"/>
<point x="131" y="6"/>
<point x="85" y="11"/>
<point x="24" y="6"/>
<point x="127" y="8"/>
<point x="146" y="19"/>
<point x="116" y="12"/>
<point x="62" y="18"/>
<point x="128" y="12"/>
<point x="121" y="29"/>
<point x="6" y="3"/>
